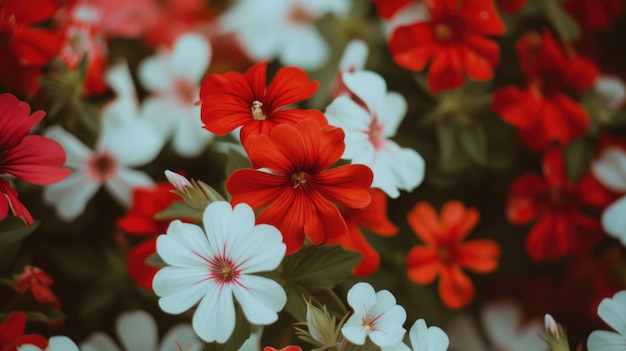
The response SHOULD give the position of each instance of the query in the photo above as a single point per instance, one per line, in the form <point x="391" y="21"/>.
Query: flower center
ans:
<point x="298" y="179"/>
<point x="186" y="91"/>
<point x="223" y="271"/>
<point x="443" y="32"/>
<point x="257" y="111"/>
<point x="375" y="133"/>
<point x="444" y="254"/>
<point x="102" y="166"/>
<point x="300" y="15"/>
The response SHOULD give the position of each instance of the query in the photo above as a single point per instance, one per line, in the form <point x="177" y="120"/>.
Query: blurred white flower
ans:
<point x="216" y="265"/>
<point x="613" y="312"/>
<point x="368" y="129"/>
<point x="173" y="77"/>
<point x="424" y="338"/>
<point x="502" y="322"/>
<point x="610" y="170"/>
<point x="137" y="331"/>
<point x="55" y="343"/>
<point x="283" y="29"/>
<point x="376" y="315"/>
<point x="352" y="60"/>
<point x="612" y="91"/>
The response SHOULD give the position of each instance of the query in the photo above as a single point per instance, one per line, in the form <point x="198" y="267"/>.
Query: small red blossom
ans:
<point x="79" y="40"/>
<point x="541" y="111"/>
<point x="445" y="254"/>
<point x="388" y="8"/>
<point x="233" y="99"/>
<point x="454" y="41"/>
<point x="36" y="284"/>
<point x="12" y="335"/>
<point x="31" y="158"/>
<point x="300" y="192"/>
<point x="372" y="217"/>
<point x="561" y="227"/>
<point x="140" y="221"/>
<point x="594" y="14"/>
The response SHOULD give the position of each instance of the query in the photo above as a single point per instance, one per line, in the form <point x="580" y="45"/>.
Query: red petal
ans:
<point x="264" y="152"/>
<point x="323" y="220"/>
<point x="256" y="79"/>
<point x="517" y="107"/>
<point x="480" y="255"/>
<point x="476" y="67"/>
<point x="445" y="71"/>
<point x="37" y="160"/>
<point x="553" y="166"/>
<point x="12" y="327"/>
<point x="288" y="213"/>
<point x="423" y="264"/>
<point x="18" y="209"/>
<point x="293" y="115"/>
<point x="290" y="85"/>
<point x="483" y="16"/>
<point x="138" y="270"/>
<point x="35" y="47"/>
<point x="348" y="185"/>
<point x="413" y="46"/>
<point x="355" y="241"/>
<point x="256" y="188"/>
<point x="523" y="203"/>
<point x="548" y="239"/>
<point x="16" y="120"/>
<point x="457" y="221"/>
<point x="29" y="12"/>
<point x="424" y="221"/>
<point x="455" y="288"/>
<point x="374" y="216"/>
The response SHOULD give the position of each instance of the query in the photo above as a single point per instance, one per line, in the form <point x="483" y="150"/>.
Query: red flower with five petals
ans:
<point x="554" y="202"/>
<point x="233" y="99"/>
<point x="540" y="111"/>
<point x="32" y="158"/>
<point x="454" y="42"/>
<point x="300" y="191"/>
<point x="444" y="254"/>
<point x="372" y="217"/>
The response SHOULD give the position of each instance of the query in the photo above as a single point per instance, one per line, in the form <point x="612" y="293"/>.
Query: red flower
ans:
<point x="139" y="220"/>
<point x="444" y="254"/>
<point x="12" y="336"/>
<point x="32" y="158"/>
<point x="36" y="283"/>
<point x="286" y="348"/>
<point x="511" y="6"/>
<point x="540" y="111"/>
<point x="300" y="192"/>
<point x="234" y="99"/>
<point x="554" y="202"/>
<point x="595" y="14"/>
<point x="453" y="41"/>
<point x="388" y="8"/>
<point x="372" y="217"/>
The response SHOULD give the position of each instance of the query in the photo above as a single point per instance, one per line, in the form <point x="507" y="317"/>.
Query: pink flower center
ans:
<point x="443" y="32"/>
<point x="376" y="133"/>
<point x="223" y="270"/>
<point x="257" y="111"/>
<point x="102" y="166"/>
<point x="300" y="15"/>
<point x="186" y="92"/>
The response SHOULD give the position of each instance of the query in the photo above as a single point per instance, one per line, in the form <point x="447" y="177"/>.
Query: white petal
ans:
<point x="155" y="74"/>
<point x="501" y="320"/>
<point x="71" y="195"/>
<point x="345" y="113"/>
<point x="99" y="342"/>
<point x="259" y="251"/>
<point x="612" y="90"/>
<point x="190" y="138"/>
<point x="137" y="331"/>
<point x="354" y="56"/>
<point x="614" y="221"/>
<point x="260" y="298"/>
<point x="388" y="329"/>
<point x="361" y="297"/>
<point x="370" y="87"/>
<point x="191" y="57"/>
<point x="184" y="335"/>
<point x="613" y="312"/>
<point x="354" y="331"/>
<point x="118" y="77"/>
<point x="601" y="340"/>
<point x="29" y="347"/>
<point x="180" y="288"/>
<point x="61" y="343"/>
<point x="304" y="47"/>
<point x="392" y="113"/>
<point x="214" y="319"/>
<point x="529" y="338"/>
<point x="223" y="225"/>
<point x="253" y="343"/>
<point x="185" y="245"/>
<point x="427" y="339"/>
<point x="76" y="152"/>
<point x="160" y="112"/>
<point x="122" y="184"/>
<point x="610" y="169"/>
<point x="396" y="168"/>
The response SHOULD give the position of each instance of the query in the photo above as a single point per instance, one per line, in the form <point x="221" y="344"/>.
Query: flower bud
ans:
<point x="322" y="329"/>
<point x="556" y="336"/>
<point x="177" y="180"/>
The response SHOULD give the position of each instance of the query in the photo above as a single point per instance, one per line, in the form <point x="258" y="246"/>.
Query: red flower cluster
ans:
<point x="444" y="253"/>
<point x="595" y="14"/>
<point x="554" y="202"/>
<point x="32" y="158"/>
<point x="454" y="42"/>
<point x="541" y="111"/>
<point x="12" y="336"/>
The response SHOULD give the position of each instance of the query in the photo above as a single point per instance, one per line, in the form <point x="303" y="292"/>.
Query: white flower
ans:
<point x="610" y="170"/>
<point x="414" y="12"/>
<point x="375" y="314"/>
<point x="213" y="267"/>
<point x="173" y="76"/>
<point x="126" y="140"/>
<point x="137" y="331"/>
<point x="369" y="128"/>
<point x="283" y="29"/>
<point x="352" y="60"/>
<point x="613" y="312"/>
<point x="502" y="322"/>
<point x="55" y="343"/>
<point x="612" y="90"/>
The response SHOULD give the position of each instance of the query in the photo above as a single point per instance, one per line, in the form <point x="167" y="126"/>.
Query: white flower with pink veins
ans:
<point x="368" y="127"/>
<point x="283" y="29"/>
<point x="216" y="266"/>
<point x="173" y="77"/>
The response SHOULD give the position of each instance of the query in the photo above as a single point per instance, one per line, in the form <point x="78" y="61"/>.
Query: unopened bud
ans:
<point x="177" y="180"/>
<point x="551" y="326"/>
<point x="322" y="329"/>
<point x="556" y="337"/>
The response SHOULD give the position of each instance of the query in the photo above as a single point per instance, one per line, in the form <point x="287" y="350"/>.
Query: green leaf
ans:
<point x="296" y="305"/>
<point x="319" y="267"/>
<point x="447" y="141"/>
<point x="473" y="141"/>
<point x="178" y="210"/>
<point x="155" y="261"/>
<point x="12" y="230"/>
<point x="564" y="24"/>
<point x="87" y="115"/>
<point x="578" y="156"/>
<point x="238" y="337"/>
<point x="235" y="161"/>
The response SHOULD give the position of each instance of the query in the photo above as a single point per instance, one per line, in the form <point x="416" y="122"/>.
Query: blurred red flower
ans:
<point x="594" y="14"/>
<point x="372" y="217"/>
<point x="445" y="254"/>
<point x="12" y="335"/>
<point x="387" y="8"/>
<point x="300" y="192"/>
<point x="140" y="221"/>
<point x="541" y="111"/>
<point x="36" y="284"/>
<point x="32" y="158"/>
<point x="454" y="42"/>
<point x="561" y="227"/>
<point x="233" y="99"/>
<point x="511" y="6"/>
